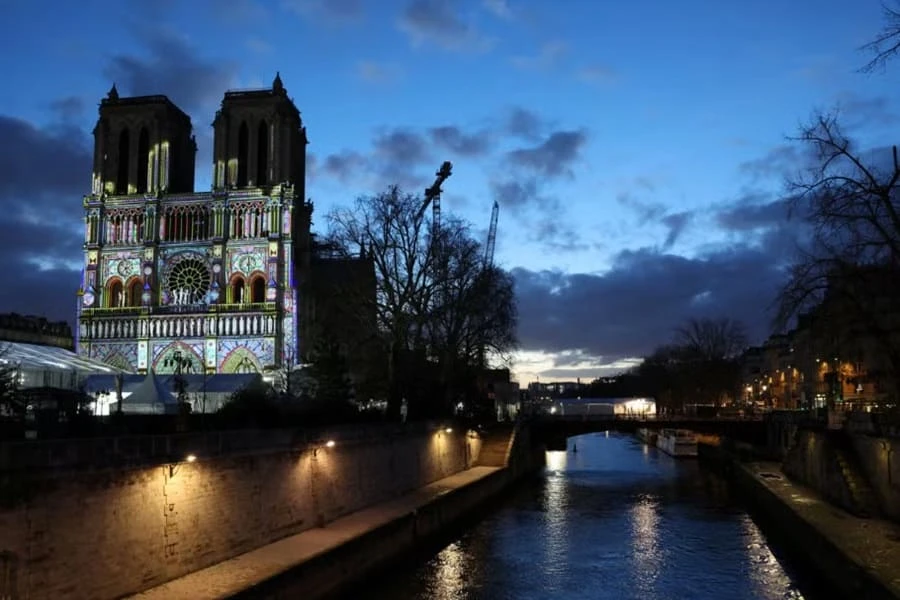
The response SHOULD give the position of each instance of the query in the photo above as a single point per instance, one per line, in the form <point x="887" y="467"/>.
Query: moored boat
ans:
<point x="677" y="442"/>
<point x="648" y="436"/>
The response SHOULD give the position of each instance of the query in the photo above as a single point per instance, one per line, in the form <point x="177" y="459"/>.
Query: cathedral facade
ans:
<point x="176" y="280"/>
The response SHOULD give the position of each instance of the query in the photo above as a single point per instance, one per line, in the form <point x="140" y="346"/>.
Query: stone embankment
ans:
<point x="820" y="510"/>
<point x="322" y="562"/>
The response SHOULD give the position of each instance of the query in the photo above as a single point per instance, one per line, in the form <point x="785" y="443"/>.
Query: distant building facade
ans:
<point x="202" y="282"/>
<point x="29" y="329"/>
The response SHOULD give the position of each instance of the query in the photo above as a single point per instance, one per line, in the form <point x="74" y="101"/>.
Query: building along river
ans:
<point x="614" y="519"/>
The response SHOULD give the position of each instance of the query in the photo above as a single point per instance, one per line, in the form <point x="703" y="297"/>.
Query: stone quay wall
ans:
<point x="72" y="530"/>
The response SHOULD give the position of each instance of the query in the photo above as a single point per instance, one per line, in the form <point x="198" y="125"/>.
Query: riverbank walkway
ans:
<point x="240" y="573"/>
<point x="873" y="544"/>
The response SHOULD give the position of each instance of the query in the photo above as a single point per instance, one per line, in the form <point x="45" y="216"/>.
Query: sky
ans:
<point x="637" y="149"/>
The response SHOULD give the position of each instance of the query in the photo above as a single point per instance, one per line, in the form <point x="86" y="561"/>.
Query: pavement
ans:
<point x="873" y="544"/>
<point x="229" y="577"/>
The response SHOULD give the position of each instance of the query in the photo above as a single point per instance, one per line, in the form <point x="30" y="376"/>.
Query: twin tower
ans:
<point x="145" y="144"/>
<point x="204" y="282"/>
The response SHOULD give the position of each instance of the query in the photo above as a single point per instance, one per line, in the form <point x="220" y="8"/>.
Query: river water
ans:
<point x="614" y="519"/>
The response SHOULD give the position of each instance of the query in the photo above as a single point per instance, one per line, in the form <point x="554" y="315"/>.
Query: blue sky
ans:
<point x="628" y="143"/>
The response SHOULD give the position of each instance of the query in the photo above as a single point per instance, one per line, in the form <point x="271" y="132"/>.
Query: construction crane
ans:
<point x="491" y="238"/>
<point x="433" y="195"/>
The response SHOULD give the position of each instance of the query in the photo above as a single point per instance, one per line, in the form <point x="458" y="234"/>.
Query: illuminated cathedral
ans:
<point x="176" y="280"/>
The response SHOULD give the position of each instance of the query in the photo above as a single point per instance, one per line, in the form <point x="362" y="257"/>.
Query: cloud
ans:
<point x="554" y="156"/>
<point x="598" y="74"/>
<point x="548" y="57"/>
<point x="172" y="67"/>
<point x="676" y="224"/>
<point x="461" y="143"/>
<point x="404" y="155"/>
<point x="754" y="211"/>
<point x="375" y="72"/>
<point x="517" y="193"/>
<point x="499" y="8"/>
<point x="637" y="304"/>
<point x="43" y="174"/>
<point x="439" y="22"/>
<point x="345" y="166"/>
<point x="525" y="124"/>
<point x="339" y="11"/>
<point x="401" y="147"/>
<point x="779" y="162"/>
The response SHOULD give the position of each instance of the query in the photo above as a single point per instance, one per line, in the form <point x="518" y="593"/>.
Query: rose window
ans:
<point x="189" y="281"/>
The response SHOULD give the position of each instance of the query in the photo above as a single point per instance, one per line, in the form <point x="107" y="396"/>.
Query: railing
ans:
<point x="182" y="326"/>
<point x="654" y="418"/>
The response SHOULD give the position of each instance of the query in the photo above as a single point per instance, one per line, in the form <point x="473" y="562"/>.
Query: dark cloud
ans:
<point x="676" y="224"/>
<point x="638" y="303"/>
<point x="755" y="211"/>
<point x="344" y="166"/>
<point x="43" y="174"/>
<point x="554" y="156"/>
<point x="557" y="236"/>
<point x="461" y="143"/>
<point x="69" y="109"/>
<point x="516" y="193"/>
<point x="646" y="210"/>
<point x="402" y="147"/>
<point x="439" y="22"/>
<point x="779" y="162"/>
<point x="524" y="123"/>
<point x="860" y="113"/>
<point x="171" y="66"/>
<point x="334" y="10"/>
<point x="39" y="167"/>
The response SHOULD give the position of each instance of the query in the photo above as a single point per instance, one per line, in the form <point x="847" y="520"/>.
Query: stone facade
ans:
<point x="201" y="282"/>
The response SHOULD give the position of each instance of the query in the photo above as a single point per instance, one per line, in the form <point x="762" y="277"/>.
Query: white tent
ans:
<point x="150" y="396"/>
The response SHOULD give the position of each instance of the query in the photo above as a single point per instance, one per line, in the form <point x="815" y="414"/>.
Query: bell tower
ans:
<point x="142" y="145"/>
<point x="260" y="141"/>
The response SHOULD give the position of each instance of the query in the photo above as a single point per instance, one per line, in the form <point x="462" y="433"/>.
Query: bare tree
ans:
<point x="711" y="339"/>
<point x="473" y="308"/>
<point x="886" y="44"/>
<point x="434" y="295"/>
<point x="848" y="268"/>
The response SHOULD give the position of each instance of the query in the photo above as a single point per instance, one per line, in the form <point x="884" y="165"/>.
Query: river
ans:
<point x="614" y="519"/>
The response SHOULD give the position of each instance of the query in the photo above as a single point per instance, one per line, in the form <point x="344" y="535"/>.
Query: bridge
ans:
<point x="553" y="430"/>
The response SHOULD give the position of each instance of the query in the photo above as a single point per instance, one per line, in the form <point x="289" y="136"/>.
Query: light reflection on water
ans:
<point x="612" y="520"/>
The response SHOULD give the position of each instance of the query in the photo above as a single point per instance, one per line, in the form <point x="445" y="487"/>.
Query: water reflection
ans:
<point x="450" y="573"/>
<point x="615" y="520"/>
<point x="645" y="552"/>
<point x="555" y="504"/>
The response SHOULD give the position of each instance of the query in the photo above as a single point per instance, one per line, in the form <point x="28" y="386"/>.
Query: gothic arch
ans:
<point x="115" y="293"/>
<point x="164" y="362"/>
<point x="123" y="158"/>
<point x="237" y="289"/>
<point x="262" y="153"/>
<point x="243" y="157"/>
<point x="134" y="288"/>
<point x="240" y="360"/>
<point x="257" y="287"/>
<point x="143" y="161"/>
<point x="118" y="360"/>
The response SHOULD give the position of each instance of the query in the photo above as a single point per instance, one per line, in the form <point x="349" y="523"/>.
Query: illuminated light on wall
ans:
<point x="448" y="430"/>
<point x="329" y="444"/>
